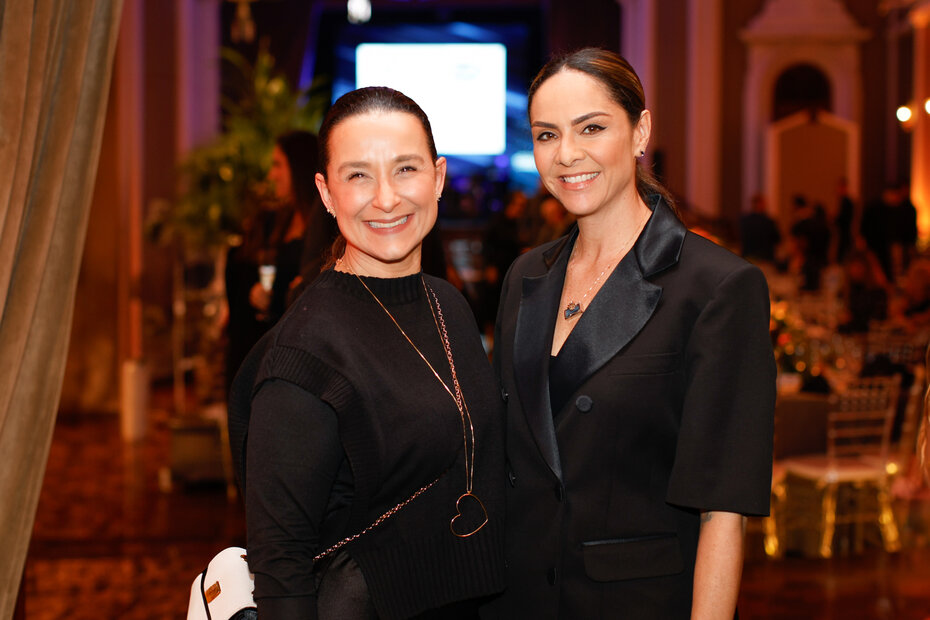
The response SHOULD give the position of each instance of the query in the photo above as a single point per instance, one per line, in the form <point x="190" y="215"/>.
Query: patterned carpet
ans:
<point x="108" y="542"/>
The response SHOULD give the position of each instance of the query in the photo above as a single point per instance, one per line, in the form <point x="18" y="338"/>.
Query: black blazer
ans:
<point x="672" y="415"/>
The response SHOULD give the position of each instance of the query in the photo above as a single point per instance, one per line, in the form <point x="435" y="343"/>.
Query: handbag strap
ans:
<point x="387" y="515"/>
<point x="203" y="594"/>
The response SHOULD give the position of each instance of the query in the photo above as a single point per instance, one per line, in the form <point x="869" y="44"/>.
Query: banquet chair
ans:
<point x="800" y="429"/>
<point x="904" y="452"/>
<point x="851" y="481"/>
<point x="897" y="347"/>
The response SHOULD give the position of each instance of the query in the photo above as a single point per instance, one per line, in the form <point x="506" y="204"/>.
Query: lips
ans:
<point x="388" y="225"/>
<point x="579" y="178"/>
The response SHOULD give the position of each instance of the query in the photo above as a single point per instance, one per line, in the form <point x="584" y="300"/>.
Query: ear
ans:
<point x="321" y="186"/>
<point x="641" y="132"/>
<point x="440" y="175"/>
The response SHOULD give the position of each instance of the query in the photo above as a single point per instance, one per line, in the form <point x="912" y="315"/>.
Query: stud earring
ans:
<point x="642" y="153"/>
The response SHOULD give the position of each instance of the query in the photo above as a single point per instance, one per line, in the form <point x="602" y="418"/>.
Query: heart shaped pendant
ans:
<point x="468" y="513"/>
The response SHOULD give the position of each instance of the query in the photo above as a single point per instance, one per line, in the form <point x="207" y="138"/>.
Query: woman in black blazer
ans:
<point x="636" y="363"/>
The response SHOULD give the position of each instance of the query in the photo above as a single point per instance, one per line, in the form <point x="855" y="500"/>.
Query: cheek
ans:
<point x="346" y="200"/>
<point x="541" y="157"/>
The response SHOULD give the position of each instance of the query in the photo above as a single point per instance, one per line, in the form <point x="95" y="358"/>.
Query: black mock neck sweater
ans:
<point x="347" y="421"/>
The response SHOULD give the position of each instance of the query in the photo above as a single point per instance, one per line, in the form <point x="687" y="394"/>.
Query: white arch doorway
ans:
<point x="787" y="33"/>
<point x="807" y="153"/>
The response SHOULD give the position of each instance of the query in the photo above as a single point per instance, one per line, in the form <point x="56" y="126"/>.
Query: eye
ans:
<point x="544" y="136"/>
<point x="354" y="175"/>
<point x="592" y="128"/>
<point x="408" y="168"/>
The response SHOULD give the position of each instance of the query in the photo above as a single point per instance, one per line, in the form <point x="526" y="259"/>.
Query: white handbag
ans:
<point x="223" y="591"/>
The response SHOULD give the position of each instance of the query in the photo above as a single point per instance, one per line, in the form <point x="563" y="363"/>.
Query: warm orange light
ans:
<point x="904" y="114"/>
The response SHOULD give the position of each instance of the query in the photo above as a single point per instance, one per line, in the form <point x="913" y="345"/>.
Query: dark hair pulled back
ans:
<point x="367" y="100"/>
<point x="622" y="84"/>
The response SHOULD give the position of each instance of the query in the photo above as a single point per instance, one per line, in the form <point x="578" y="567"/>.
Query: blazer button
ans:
<point x="504" y="395"/>
<point x="552" y="576"/>
<point x="584" y="403"/>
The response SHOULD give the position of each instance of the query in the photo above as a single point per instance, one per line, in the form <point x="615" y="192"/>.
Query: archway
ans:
<point x="807" y="153"/>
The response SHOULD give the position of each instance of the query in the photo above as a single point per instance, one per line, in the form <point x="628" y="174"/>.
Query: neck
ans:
<point x="608" y="232"/>
<point x="356" y="262"/>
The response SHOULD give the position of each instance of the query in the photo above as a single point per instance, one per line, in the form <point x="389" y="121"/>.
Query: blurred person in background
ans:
<point x="759" y="234"/>
<point x="811" y="233"/>
<point x="283" y="247"/>
<point x="865" y="292"/>
<point x="843" y="221"/>
<point x="910" y="308"/>
<point x="903" y="233"/>
<point x="501" y="245"/>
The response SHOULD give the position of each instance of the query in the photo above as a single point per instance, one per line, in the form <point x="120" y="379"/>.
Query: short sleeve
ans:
<point x="723" y="459"/>
<point x="293" y="458"/>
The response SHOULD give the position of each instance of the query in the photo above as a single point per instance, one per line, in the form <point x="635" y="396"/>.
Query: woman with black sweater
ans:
<point x="374" y="476"/>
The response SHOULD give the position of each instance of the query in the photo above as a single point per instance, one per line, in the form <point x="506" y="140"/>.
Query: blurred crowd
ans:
<point x="882" y="275"/>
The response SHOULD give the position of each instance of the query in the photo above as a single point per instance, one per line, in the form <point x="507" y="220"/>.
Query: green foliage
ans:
<point x="222" y="182"/>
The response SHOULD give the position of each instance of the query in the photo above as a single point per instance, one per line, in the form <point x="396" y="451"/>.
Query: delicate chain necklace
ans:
<point x="468" y="427"/>
<point x="574" y="308"/>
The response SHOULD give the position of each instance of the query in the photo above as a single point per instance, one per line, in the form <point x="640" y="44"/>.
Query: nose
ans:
<point x="569" y="151"/>
<point x="386" y="197"/>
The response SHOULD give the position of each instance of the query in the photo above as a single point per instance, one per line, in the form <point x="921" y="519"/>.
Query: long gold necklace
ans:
<point x="468" y="427"/>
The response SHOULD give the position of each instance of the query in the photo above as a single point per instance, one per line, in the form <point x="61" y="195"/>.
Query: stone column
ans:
<point x="705" y="57"/>
<point x="198" y="71"/>
<point x="920" y="149"/>
<point x="130" y="121"/>
<point x="637" y="41"/>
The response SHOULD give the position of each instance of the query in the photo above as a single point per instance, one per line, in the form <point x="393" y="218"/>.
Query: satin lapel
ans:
<point x="627" y="299"/>
<point x="539" y="304"/>
<point x="616" y="314"/>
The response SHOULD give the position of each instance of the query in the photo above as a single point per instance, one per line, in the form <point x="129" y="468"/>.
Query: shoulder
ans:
<point x="319" y="309"/>
<point x="709" y="269"/>
<point x="536" y="261"/>
<point x="702" y="256"/>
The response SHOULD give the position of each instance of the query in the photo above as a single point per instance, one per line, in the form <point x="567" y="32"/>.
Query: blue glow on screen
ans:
<point x="336" y="58"/>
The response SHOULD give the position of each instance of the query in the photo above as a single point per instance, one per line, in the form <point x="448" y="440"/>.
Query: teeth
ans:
<point x="393" y="224"/>
<point x="580" y="178"/>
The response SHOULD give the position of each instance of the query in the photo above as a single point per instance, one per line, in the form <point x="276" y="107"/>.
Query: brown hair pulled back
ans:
<point x="622" y="84"/>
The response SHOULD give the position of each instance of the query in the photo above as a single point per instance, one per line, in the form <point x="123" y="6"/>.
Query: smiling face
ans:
<point x="584" y="144"/>
<point x="382" y="183"/>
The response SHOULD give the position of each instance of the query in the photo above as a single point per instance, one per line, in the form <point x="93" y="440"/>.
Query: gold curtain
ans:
<point x="56" y="58"/>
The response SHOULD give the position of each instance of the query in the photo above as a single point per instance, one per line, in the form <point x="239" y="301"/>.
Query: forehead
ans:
<point x="571" y="93"/>
<point x="386" y="131"/>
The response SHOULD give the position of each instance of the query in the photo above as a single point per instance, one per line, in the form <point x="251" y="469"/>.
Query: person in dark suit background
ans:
<point x="636" y="364"/>
<point x="759" y="234"/>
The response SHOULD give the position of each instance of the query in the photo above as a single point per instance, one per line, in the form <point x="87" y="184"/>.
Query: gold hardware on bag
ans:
<point x="212" y="592"/>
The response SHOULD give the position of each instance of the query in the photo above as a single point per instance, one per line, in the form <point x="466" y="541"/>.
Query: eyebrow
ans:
<point x="400" y="159"/>
<point x="576" y="121"/>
